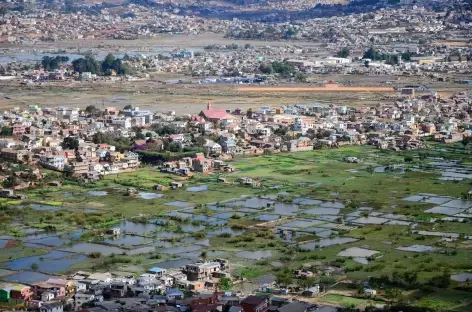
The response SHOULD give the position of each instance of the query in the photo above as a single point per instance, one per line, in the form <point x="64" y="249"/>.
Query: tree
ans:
<point x="284" y="278"/>
<point x="344" y="52"/>
<point x="92" y="110"/>
<point x="226" y="283"/>
<point x="70" y="143"/>
<point x="442" y="281"/>
<point x="393" y="293"/>
<point x="370" y="169"/>
<point x="282" y="68"/>
<point x="301" y="77"/>
<point x="410" y="278"/>
<point x="371" y="53"/>
<point x="175" y="147"/>
<point x="53" y="63"/>
<point x="34" y="266"/>
<point x="200" y="141"/>
<point x="291" y="32"/>
<point x="306" y="283"/>
<point x="86" y="64"/>
<point x="6" y="131"/>
<point x="466" y="141"/>
<point x="249" y="113"/>
<point x="266" y="69"/>
<point x="406" y="56"/>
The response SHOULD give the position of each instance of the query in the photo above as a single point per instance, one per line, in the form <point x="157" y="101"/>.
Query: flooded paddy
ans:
<point x="322" y="211"/>
<point x="126" y="240"/>
<point x="462" y="277"/>
<point x="325" y="218"/>
<point x="254" y="255"/>
<point x="337" y="205"/>
<point x="300" y="223"/>
<point x="54" y="241"/>
<point x="179" y="204"/>
<point x="142" y="250"/>
<point x="55" y="261"/>
<point x="357" y="252"/>
<point x="201" y="188"/>
<point x="370" y="220"/>
<point x="328" y="242"/>
<point x="143" y="195"/>
<point x="267" y="217"/>
<point x="87" y="248"/>
<point x="307" y="201"/>
<point x="138" y="228"/>
<point x="224" y="215"/>
<point x="286" y="209"/>
<point x="444" y="210"/>
<point x="416" y="248"/>
<point x="97" y="193"/>
<point x="40" y="207"/>
<point x="360" y="260"/>
<point x="181" y="249"/>
<point x="232" y="231"/>
<point x="28" y="277"/>
<point x="458" y="203"/>
<point x="254" y="203"/>
<point x="437" y="200"/>
<point x="398" y="222"/>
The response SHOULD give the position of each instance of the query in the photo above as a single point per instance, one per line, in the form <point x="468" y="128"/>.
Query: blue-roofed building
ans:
<point x="174" y="294"/>
<point x="159" y="272"/>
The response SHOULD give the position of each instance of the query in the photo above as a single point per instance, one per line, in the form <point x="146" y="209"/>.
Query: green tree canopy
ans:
<point x="344" y="52"/>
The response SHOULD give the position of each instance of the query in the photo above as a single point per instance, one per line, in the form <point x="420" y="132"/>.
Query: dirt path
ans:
<point x="327" y="88"/>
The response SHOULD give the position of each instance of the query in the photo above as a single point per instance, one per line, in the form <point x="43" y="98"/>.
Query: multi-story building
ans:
<point x="54" y="161"/>
<point x="21" y="156"/>
<point x="255" y="304"/>
<point x="201" y="271"/>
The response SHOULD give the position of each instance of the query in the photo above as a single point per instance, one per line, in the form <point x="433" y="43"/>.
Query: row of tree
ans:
<point x="52" y="63"/>
<point x="107" y="67"/>
<point x="392" y="59"/>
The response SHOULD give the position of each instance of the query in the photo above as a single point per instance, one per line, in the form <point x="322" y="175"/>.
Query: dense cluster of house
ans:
<point x="195" y="287"/>
<point x="421" y="31"/>
<point x="62" y="139"/>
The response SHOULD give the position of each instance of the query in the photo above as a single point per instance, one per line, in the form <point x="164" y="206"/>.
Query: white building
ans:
<point x="122" y="122"/>
<point x="80" y="299"/>
<point x="54" y="161"/>
<point x="370" y="292"/>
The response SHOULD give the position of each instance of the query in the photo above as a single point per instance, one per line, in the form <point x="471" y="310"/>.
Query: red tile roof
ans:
<point x="215" y="114"/>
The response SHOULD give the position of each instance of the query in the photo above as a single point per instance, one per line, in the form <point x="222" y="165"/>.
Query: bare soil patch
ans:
<point x="327" y="88"/>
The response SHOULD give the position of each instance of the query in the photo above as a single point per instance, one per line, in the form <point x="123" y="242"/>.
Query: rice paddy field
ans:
<point x="392" y="220"/>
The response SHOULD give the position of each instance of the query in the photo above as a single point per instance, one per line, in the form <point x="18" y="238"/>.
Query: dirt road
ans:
<point x="327" y="88"/>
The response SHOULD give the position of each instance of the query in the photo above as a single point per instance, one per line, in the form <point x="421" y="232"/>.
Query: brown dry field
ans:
<point x="453" y="43"/>
<point x="181" y="98"/>
<point x="327" y="88"/>
<point x="164" y="41"/>
<point x="184" y="98"/>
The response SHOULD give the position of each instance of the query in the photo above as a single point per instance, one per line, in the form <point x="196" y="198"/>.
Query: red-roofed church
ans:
<point x="215" y="115"/>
